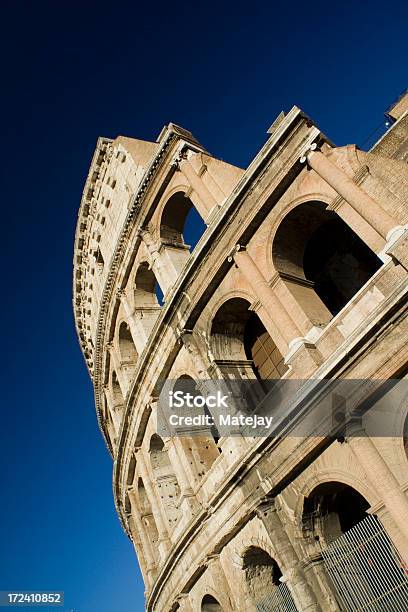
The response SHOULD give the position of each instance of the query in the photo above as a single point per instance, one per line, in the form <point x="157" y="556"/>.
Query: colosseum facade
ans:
<point x="299" y="274"/>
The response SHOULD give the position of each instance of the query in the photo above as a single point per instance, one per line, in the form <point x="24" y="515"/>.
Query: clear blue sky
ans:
<point x="72" y="71"/>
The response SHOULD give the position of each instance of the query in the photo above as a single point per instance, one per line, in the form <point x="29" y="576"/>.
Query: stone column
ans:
<point x="116" y="418"/>
<point x="175" y="258"/>
<point x="166" y="277"/>
<point x="141" y="321"/>
<point x="302" y="354"/>
<point x="123" y="383"/>
<point x="205" y="196"/>
<point x="164" y="542"/>
<point x="189" y="505"/>
<point x="221" y="583"/>
<point x="362" y="203"/>
<point x="232" y="446"/>
<point x="280" y="325"/>
<point x="188" y="339"/>
<point x="184" y="602"/>
<point x="382" y="480"/>
<point x="146" y="544"/>
<point x="316" y="574"/>
<point x="302" y="594"/>
<point x="137" y="337"/>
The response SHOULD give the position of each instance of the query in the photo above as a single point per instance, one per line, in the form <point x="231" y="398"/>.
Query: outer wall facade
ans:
<point x="300" y="273"/>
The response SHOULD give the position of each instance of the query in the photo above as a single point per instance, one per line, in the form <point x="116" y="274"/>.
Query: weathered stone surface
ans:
<point x="284" y="283"/>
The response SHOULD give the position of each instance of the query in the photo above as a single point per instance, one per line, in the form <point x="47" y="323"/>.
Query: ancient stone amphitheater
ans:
<point x="297" y="271"/>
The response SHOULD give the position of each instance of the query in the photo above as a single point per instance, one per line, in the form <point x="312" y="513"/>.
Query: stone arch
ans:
<point x="241" y="344"/>
<point x="165" y="478"/>
<point x="262" y="574"/>
<point x="322" y="261"/>
<point x="201" y="449"/>
<point x="331" y="509"/>
<point x="131" y="471"/>
<point x="147" y="514"/>
<point x="127" y="350"/>
<point x="178" y="217"/>
<point x="210" y="604"/>
<point x="117" y="400"/>
<point x="117" y="394"/>
<point x="145" y="287"/>
<point x="147" y="298"/>
<point x="350" y="474"/>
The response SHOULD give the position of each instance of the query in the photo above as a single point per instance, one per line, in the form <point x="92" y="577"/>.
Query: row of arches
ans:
<point x="319" y="258"/>
<point x="160" y="496"/>
<point x="342" y="514"/>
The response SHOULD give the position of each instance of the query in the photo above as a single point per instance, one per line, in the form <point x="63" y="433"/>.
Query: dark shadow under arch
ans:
<point x="181" y="224"/>
<point x="333" y="508"/>
<point x="322" y="259"/>
<point x="210" y="604"/>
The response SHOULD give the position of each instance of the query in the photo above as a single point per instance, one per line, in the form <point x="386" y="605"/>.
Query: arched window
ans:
<point x="181" y="224"/>
<point x="127" y="349"/>
<point x="332" y="509"/>
<point x="131" y="472"/>
<point x="118" y="402"/>
<point x="210" y="604"/>
<point x="146" y="287"/>
<point x="241" y="342"/>
<point x="262" y="576"/>
<point x="147" y="514"/>
<point x="165" y="478"/>
<point x="117" y="394"/>
<point x="99" y="261"/>
<point x="357" y="552"/>
<point x="202" y="449"/>
<point x="323" y="262"/>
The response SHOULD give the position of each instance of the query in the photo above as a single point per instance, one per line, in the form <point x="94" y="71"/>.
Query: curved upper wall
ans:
<point x="122" y="172"/>
<point x="116" y="172"/>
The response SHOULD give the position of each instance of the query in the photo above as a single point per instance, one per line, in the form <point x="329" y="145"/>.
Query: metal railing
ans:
<point x="366" y="570"/>
<point x="279" y="600"/>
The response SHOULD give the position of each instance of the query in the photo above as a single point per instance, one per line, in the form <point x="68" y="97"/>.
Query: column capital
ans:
<point x="234" y="251"/>
<point x="179" y="157"/>
<point x="354" y="427"/>
<point x="266" y="505"/>
<point x="211" y="559"/>
<point x="182" y="332"/>
<point x="309" y="149"/>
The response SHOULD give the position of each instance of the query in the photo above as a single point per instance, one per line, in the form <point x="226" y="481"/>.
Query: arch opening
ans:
<point x="127" y="349"/>
<point x="117" y="394"/>
<point x="262" y="575"/>
<point x="210" y="604"/>
<point x="146" y="287"/>
<point x="239" y="337"/>
<point x="100" y="263"/>
<point x="181" y="224"/>
<point x="147" y="514"/>
<point x="202" y="450"/>
<point x="332" y="509"/>
<point x="322" y="260"/>
<point x="165" y="478"/>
